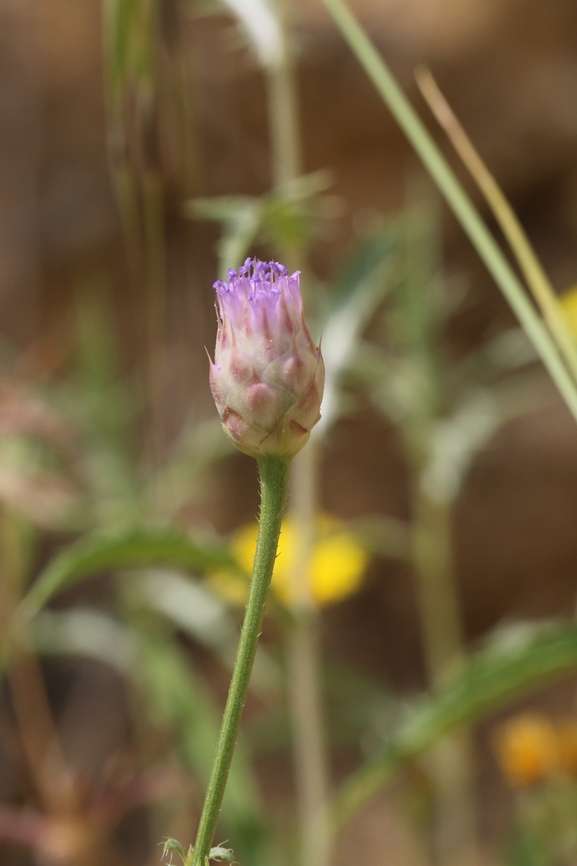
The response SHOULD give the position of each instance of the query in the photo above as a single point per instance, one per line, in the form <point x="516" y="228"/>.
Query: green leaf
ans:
<point x="174" y="845"/>
<point x="282" y="218"/>
<point x="220" y="853"/>
<point x="241" y="219"/>
<point x="354" y="299"/>
<point x="260" y="23"/>
<point x="137" y="548"/>
<point x="130" y="30"/>
<point x="490" y="680"/>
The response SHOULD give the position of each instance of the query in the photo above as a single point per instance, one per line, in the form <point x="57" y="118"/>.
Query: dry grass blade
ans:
<point x="536" y="278"/>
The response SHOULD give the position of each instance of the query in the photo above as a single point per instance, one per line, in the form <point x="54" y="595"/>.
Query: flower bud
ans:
<point x="267" y="377"/>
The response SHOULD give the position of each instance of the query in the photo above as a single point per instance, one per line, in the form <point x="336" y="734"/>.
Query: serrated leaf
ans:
<point x="103" y="552"/>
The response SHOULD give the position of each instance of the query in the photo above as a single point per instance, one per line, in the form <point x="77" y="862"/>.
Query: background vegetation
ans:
<point x="413" y="697"/>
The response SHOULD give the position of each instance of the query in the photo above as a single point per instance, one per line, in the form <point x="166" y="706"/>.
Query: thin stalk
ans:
<point x="456" y="197"/>
<point x="283" y="109"/>
<point x="450" y="760"/>
<point x="303" y="641"/>
<point x="304" y="669"/>
<point x="450" y="766"/>
<point x="536" y="278"/>
<point x="274" y="478"/>
<point x="30" y="702"/>
<point x="155" y="259"/>
<point x="438" y="603"/>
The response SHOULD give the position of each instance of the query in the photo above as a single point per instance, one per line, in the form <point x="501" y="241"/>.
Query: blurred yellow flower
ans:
<point x="527" y="749"/>
<point x="568" y="301"/>
<point x="567" y="747"/>
<point x="336" y="570"/>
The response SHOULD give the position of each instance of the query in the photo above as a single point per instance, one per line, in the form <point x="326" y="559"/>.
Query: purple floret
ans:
<point x="252" y="297"/>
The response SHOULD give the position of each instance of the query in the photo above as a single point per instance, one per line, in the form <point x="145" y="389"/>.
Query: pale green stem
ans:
<point x="440" y="616"/>
<point x="304" y="670"/>
<point x="303" y="651"/>
<point x="283" y="110"/>
<point x="274" y="477"/>
<point x="438" y="603"/>
<point x="456" y="197"/>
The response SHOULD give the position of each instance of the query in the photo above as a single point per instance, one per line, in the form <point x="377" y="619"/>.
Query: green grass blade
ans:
<point x="456" y="197"/>
<point x="133" y="549"/>
<point x="491" y="679"/>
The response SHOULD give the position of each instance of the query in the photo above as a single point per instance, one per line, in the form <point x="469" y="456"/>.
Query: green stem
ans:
<point x="304" y="670"/>
<point x="274" y="476"/>
<point x="283" y="108"/>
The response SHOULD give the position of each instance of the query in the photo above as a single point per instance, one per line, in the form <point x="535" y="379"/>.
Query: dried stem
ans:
<point x="536" y="278"/>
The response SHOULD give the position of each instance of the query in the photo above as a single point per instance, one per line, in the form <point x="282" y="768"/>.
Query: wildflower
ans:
<point x="336" y="570"/>
<point x="527" y="749"/>
<point x="267" y="377"/>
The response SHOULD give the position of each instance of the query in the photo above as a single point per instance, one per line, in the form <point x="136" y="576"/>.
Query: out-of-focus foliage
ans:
<point x="110" y="557"/>
<point x="286" y="218"/>
<point x="517" y="662"/>
<point x="100" y="553"/>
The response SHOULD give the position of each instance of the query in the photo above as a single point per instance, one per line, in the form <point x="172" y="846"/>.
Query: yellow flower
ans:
<point x="336" y="570"/>
<point x="568" y="301"/>
<point x="527" y="749"/>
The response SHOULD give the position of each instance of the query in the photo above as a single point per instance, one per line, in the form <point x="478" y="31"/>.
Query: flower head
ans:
<point x="267" y="377"/>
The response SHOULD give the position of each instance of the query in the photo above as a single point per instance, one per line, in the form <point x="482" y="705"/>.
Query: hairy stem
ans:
<point x="274" y="475"/>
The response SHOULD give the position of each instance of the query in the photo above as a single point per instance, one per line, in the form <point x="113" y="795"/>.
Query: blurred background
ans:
<point x="145" y="147"/>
